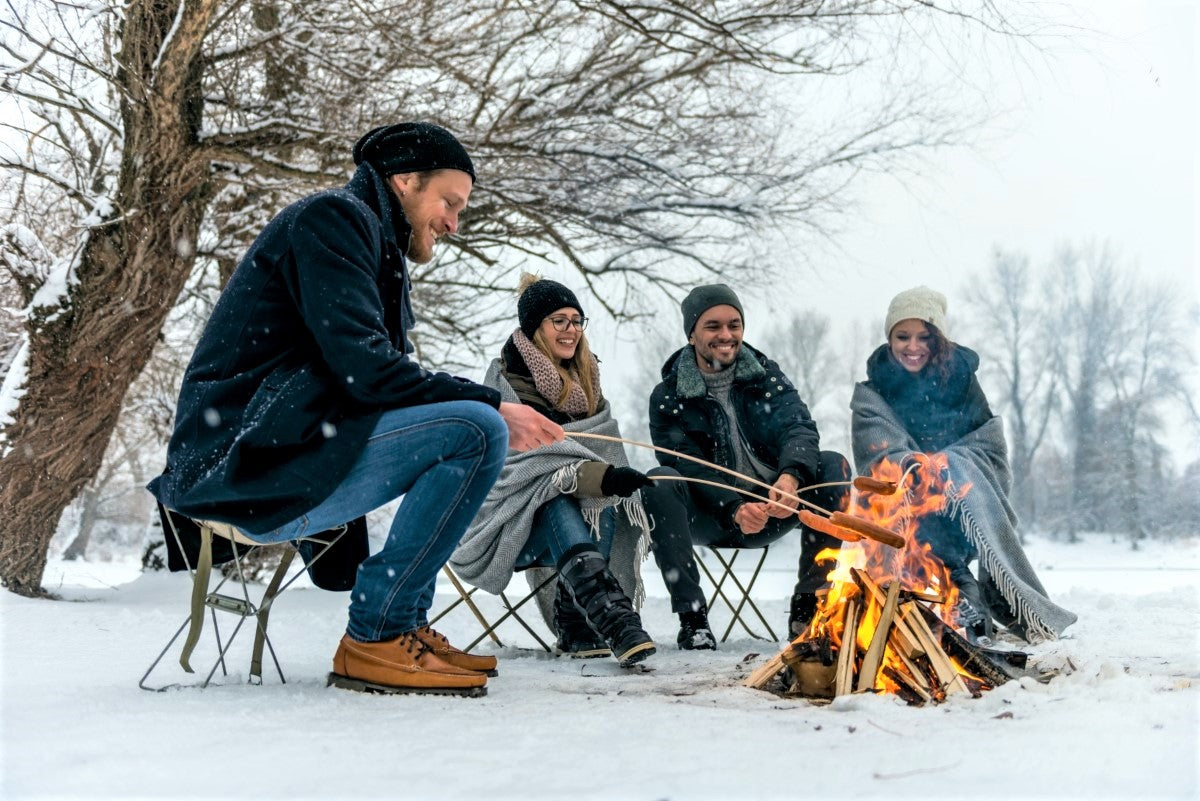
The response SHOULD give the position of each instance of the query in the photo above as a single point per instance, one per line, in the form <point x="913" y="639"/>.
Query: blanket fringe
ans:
<point x="995" y="568"/>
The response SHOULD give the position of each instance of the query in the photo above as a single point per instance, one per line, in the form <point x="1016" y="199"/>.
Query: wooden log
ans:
<point x="916" y="671"/>
<point x="812" y="679"/>
<point x="974" y="659"/>
<point x="913" y="595"/>
<point x="906" y="682"/>
<point x="762" y="675"/>
<point x="874" y="656"/>
<point x="906" y="643"/>
<point x="945" y="671"/>
<point x="867" y="529"/>
<point x="843" y="683"/>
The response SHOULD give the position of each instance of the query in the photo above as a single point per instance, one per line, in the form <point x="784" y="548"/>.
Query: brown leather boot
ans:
<point x="400" y="665"/>
<point x="437" y="642"/>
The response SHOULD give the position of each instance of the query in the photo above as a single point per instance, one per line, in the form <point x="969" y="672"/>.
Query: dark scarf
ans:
<point x="938" y="407"/>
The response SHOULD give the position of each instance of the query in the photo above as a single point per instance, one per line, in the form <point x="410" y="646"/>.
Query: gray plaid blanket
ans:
<point x="488" y="551"/>
<point x="980" y="460"/>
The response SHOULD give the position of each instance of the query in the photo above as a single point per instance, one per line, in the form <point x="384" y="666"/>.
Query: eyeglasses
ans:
<point x="561" y="323"/>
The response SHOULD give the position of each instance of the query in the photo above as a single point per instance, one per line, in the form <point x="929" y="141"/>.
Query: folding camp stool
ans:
<point x="745" y="590"/>
<point x="511" y="609"/>
<point x="237" y="603"/>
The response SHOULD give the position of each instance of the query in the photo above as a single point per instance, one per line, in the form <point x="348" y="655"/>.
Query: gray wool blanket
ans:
<point x="978" y="461"/>
<point x="487" y="553"/>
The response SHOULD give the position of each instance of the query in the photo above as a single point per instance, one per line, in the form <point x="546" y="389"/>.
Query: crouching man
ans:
<point x="724" y="402"/>
<point x="302" y="409"/>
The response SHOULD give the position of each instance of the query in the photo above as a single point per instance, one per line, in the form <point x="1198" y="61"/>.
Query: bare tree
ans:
<point x="1012" y="338"/>
<point x="1081" y="330"/>
<point x="802" y="346"/>
<point x="1145" y="368"/>
<point x="633" y="155"/>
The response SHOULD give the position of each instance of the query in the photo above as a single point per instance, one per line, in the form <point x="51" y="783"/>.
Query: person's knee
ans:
<point x="670" y="489"/>
<point x="834" y="467"/>
<point x="488" y="427"/>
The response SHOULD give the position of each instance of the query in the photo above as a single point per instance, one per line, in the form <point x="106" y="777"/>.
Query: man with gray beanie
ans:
<point x="302" y="408"/>
<point x="725" y="402"/>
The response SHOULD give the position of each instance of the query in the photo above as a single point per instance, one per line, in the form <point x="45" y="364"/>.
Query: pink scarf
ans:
<point x="548" y="381"/>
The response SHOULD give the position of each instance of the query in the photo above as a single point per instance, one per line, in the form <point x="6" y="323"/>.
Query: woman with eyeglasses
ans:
<point x="573" y="506"/>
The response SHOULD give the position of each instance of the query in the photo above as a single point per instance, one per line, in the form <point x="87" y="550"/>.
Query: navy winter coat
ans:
<point x="774" y="422"/>
<point x="937" y="408"/>
<point x="305" y="349"/>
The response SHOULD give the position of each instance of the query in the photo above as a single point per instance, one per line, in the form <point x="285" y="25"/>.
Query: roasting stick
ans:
<point x="734" y="473"/>
<point x="747" y="493"/>
<point x="858" y="526"/>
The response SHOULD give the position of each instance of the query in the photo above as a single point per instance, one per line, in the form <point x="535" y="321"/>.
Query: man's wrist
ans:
<point x="790" y="481"/>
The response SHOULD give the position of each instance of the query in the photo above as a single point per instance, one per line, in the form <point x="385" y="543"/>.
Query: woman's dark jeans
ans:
<point x="558" y="526"/>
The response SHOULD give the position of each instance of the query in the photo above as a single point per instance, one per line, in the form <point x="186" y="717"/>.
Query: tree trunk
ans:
<point x="85" y="353"/>
<point x="87" y="522"/>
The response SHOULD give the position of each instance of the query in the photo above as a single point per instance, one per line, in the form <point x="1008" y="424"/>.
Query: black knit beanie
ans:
<point x="703" y="298"/>
<point x="540" y="299"/>
<point x="412" y="147"/>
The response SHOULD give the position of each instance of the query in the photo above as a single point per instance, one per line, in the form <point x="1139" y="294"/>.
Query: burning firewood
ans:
<point x="867" y="529"/>
<point x="844" y="677"/>
<point x="887" y="615"/>
<point x="906" y="639"/>
<point x="874" y="657"/>
<point x="825" y="526"/>
<point x="942" y="665"/>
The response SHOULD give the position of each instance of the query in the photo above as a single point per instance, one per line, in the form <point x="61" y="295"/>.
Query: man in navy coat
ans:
<point x="302" y="407"/>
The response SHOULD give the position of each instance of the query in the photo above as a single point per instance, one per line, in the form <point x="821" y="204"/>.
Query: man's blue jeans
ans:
<point x="443" y="458"/>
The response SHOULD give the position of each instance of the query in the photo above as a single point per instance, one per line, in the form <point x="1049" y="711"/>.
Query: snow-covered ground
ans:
<point x="1123" y="724"/>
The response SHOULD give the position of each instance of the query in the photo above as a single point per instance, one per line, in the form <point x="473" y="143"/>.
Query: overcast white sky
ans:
<point x="1101" y="144"/>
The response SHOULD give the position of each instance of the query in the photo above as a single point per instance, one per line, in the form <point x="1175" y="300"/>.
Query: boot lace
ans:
<point x="414" y="645"/>
<point x="435" y="634"/>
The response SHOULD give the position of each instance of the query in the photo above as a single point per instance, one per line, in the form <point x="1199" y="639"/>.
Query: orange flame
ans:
<point x="922" y="492"/>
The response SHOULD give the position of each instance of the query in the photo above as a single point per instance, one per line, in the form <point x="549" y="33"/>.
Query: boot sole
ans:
<point x="591" y="653"/>
<point x="636" y="654"/>
<point x="358" y="685"/>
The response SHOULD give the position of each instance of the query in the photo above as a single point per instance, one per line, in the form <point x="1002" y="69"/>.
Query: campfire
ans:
<point x="887" y="624"/>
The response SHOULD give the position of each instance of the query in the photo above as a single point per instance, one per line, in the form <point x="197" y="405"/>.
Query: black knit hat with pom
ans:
<point x="412" y="147"/>
<point x="541" y="298"/>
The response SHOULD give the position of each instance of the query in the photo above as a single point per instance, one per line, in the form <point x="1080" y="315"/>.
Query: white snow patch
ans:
<point x="12" y="389"/>
<point x="1123" y="724"/>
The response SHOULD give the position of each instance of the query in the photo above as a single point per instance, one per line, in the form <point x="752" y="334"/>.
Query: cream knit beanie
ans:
<point x="918" y="303"/>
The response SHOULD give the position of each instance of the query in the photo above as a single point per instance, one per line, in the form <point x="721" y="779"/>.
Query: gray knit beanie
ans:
<point x="703" y="298"/>
<point x="918" y="303"/>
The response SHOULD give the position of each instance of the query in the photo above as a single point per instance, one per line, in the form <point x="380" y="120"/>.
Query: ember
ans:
<point x="887" y="622"/>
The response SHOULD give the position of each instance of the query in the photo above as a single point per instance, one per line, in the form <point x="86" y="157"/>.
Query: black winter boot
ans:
<point x="594" y="588"/>
<point x="576" y="637"/>
<point x="801" y="611"/>
<point x="971" y="612"/>
<point x="694" y="632"/>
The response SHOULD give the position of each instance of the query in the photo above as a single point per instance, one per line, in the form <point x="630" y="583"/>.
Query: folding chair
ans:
<point x="745" y="590"/>
<point x="511" y="609"/>
<point x="238" y="603"/>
